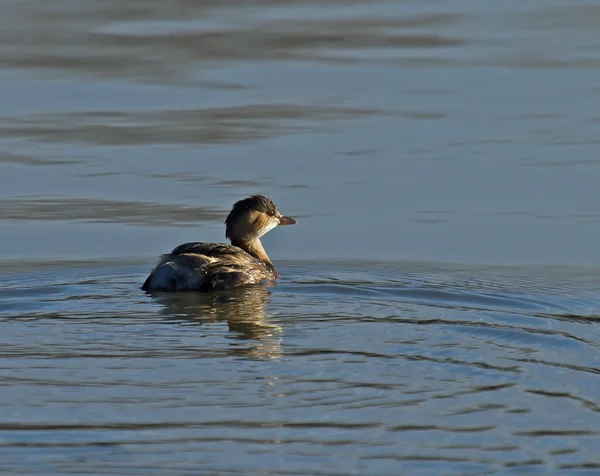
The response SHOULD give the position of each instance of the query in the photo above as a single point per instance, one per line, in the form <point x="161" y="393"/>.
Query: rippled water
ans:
<point x="403" y="135"/>
<point x="364" y="368"/>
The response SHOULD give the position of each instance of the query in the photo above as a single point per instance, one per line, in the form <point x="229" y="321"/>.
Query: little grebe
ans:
<point x="216" y="266"/>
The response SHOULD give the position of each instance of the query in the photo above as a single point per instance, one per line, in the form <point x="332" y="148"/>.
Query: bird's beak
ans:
<point x="287" y="221"/>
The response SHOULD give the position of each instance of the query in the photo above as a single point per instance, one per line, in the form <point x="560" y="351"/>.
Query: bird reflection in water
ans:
<point x="243" y="309"/>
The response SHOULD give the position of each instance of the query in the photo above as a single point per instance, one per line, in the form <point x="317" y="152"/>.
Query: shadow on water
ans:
<point x="165" y="45"/>
<point x="243" y="310"/>
<point x="186" y="126"/>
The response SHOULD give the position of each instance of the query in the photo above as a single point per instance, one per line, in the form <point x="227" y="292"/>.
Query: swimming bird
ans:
<point x="219" y="266"/>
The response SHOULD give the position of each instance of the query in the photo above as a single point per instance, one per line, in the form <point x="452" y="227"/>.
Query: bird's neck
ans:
<point x="255" y="248"/>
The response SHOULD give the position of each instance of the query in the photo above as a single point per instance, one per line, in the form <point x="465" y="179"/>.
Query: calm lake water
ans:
<point x="439" y="308"/>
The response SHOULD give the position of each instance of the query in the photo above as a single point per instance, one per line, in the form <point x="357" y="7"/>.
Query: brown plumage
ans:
<point x="215" y="266"/>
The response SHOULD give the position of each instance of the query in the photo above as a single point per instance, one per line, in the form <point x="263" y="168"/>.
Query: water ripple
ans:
<point x="466" y="368"/>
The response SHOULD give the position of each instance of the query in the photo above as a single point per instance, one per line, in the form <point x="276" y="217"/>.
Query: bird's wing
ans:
<point x="208" y="249"/>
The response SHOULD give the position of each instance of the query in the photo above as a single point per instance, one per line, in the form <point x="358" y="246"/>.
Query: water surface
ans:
<point x="342" y="369"/>
<point x="439" y="307"/>
<point x="403" y="130"/>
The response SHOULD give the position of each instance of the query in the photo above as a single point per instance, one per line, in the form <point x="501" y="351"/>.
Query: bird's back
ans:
<point x="207" y="267"/>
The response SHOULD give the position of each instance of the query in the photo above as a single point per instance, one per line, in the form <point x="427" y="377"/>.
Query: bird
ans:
<point x="209" y="267"/>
